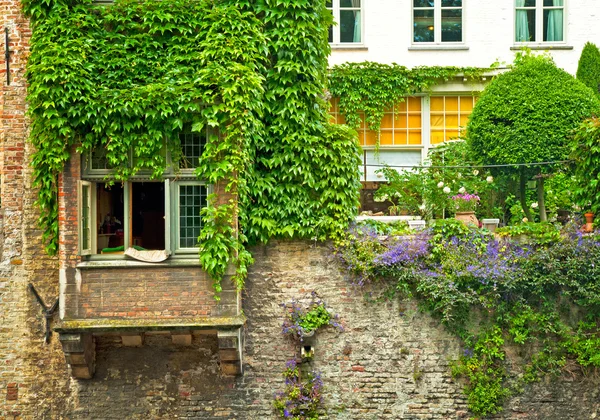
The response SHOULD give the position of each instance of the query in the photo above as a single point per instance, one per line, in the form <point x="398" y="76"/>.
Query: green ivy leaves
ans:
<point x="127" y="77"/>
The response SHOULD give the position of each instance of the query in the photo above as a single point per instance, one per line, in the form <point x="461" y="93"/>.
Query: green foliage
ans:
<point x="585" y="152"/>
<point x="306" y="176"/>
<point x="427" y="191"/>
<point x="128" y="77"/>
<point x="527" y="114"/>
<point x="371" y="88"/>
<point x="539" y="233"/>
<point x="588" y="68"/>
<point x="482" y="367"/>
<point x="543" y="295"/>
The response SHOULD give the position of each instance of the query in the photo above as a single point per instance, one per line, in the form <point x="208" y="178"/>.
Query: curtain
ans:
<point x="521" y="24"/>
<point x="555" y="22"/>
<point x="357" y="21"/>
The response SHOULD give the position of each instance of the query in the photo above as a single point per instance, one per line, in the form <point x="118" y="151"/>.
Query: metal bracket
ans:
<point x="48" y="312"/>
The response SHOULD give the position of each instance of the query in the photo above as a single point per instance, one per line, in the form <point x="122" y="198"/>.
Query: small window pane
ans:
<point x="350" y="3"/>
<point x="192" y="146"/>
<point x="350" y="26"/>
<point x="528" y="3"/>
<point x="423" y="26"/>
<point x="452" y="25"/>
<point x="192" y="198"/>
<point x="85" y="217"/>
<point x="553" y="25"/>
<point x="423" y="3"/>
<point x="451" y="3"/>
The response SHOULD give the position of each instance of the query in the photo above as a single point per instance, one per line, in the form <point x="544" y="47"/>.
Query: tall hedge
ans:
<point x="588" y="69"/>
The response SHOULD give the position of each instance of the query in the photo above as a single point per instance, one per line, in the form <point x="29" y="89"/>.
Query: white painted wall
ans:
<point x="488" y="32"/>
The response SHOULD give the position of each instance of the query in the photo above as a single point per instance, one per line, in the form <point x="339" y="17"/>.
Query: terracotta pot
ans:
<point x="467" y="217"/>
<point x="589" y="222"/>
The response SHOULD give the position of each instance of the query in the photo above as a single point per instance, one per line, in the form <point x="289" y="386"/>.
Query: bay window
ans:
<point x="437" y="21"/>
<point x="539" y="20"/>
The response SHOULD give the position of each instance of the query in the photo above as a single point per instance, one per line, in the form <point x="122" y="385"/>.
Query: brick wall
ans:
<point x="150" y="292"/>
<point x="391" y="362"/>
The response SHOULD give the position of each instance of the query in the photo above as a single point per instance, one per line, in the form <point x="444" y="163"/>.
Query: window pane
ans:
<point x="553" y="25"/>
<point x="423" y="3"/>
<point x="85" y="218"/>
<point x="148" y="214"/>
<point x="99" y="160"/>
<point x="525" y="25"/>
<point x="350" y="26"/>
<point x="192" y="145"/>
<point x="451" y="3"/>
<point x="528" y="3"/>
<point x="350" y="3"/>
<point x="423" y="26"/>
<point x="190" y="221"/>
<point x="451" y="25"/>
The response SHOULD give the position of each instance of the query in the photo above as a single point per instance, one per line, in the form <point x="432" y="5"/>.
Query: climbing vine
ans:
<point x="373" y="87"/>
<point x="126" y="78"/>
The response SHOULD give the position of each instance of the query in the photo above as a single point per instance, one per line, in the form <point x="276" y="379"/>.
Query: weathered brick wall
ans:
<point x="391" y="362"/>
<point x="147" y="292"/>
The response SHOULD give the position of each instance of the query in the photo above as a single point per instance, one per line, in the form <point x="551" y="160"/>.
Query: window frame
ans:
<point x="437" y="24"/>
<point x="335" y="28"/>
<point x="539" y="23"/>
<point x="172" y="179"/>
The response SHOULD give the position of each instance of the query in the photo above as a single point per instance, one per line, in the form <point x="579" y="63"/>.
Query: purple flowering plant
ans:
<point x="301" y="398"/>
<point x="301" y="321"/>
<point x="465" y="202"/>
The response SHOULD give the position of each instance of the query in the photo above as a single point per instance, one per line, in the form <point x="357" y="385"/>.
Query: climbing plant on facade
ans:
<point x="128" y="77"/>
<point x="371" y="88"/>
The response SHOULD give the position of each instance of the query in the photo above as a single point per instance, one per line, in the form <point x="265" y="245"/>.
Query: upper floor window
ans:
<point x="348" y="17"/>
<point x="539" y="20"/>
<point x="437" y="21"/>
<point x="149" y="214"/>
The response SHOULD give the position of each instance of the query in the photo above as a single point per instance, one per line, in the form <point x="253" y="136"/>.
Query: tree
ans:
<point x="526" y="116"/>
<point x="588" y="69"/>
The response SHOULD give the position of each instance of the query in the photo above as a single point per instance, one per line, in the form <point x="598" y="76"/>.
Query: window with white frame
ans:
<point x="347" y="15"/>
<point x="539" y="20"/>
<point x="437" y="21"/>
<point x="143" y="213"/>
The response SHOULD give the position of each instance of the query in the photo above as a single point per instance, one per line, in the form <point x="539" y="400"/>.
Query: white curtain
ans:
<point x="357" y="21"/>
<point x="555" y="22"/>
<point x="521" y="24"/>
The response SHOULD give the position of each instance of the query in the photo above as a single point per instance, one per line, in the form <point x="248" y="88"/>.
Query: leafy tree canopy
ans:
<point x="526" y="115"/>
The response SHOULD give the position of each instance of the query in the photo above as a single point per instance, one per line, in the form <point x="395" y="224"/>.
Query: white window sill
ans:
<point x="544" y="47"/>
<point x="438" y="47"/>
<point x="349" y="46"/>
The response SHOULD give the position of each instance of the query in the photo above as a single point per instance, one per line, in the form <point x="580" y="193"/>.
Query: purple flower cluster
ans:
<point x="404" y="250"/>
<point x="301" y="399"/>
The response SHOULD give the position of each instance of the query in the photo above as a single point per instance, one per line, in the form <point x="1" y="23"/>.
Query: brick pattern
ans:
<point x="151" y="292"/>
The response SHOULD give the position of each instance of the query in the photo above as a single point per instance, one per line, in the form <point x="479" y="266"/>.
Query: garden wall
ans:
<point x="391" y="362"/>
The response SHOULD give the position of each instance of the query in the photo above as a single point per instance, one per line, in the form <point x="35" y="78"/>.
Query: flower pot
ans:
<point x="589" y="221"/>
<point x="467" y="217"/>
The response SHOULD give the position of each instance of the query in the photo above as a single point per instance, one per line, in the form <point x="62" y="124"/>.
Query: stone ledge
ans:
<point x="103" y="325"/>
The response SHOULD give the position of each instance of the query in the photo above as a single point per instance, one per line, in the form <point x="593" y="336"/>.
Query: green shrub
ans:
<point x="588" y="69"/>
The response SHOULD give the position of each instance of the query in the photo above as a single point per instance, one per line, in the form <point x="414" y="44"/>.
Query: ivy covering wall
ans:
<point x="128" y="76"/>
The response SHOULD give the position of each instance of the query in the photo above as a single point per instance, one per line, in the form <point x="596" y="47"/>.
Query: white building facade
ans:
<point x="463" y="33"/>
